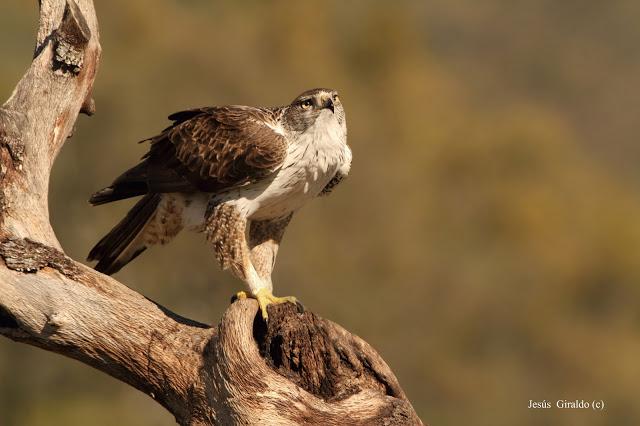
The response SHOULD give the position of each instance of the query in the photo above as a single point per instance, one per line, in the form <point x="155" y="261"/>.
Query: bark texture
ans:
<point x="297" y="369"/>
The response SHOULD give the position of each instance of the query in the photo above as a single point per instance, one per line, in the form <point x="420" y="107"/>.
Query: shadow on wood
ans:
<point x="344" y="379"/>
<point x="297" y="369"/>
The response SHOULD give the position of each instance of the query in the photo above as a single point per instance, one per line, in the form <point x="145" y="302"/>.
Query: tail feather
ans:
<point x="123" y="243"/>
<point x="131" y="183"/>
<point x="144" y="178"/>
<point x="118" y="192"/>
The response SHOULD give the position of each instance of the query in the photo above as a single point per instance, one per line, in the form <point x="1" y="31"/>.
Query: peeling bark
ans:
<point x="30" y="256"/>
<point x="297" y="369"/>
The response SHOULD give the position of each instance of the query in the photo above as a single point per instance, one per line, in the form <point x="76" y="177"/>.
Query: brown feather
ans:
<point x="115" y="249"/>
<point x="205" y="149"/>
<point x="222" y="147"/>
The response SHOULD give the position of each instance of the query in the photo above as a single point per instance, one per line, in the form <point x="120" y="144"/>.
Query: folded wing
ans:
<point x="206" y="149"/>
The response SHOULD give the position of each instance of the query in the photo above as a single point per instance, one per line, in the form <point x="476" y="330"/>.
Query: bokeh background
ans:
<point x="487" y="242"/>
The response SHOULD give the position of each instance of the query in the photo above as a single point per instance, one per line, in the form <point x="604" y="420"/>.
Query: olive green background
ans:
<point x="487" y="242"/>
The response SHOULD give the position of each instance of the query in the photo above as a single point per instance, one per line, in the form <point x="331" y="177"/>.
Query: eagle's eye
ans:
<point x="335" y="98"/>
<point x="306" y="104"/>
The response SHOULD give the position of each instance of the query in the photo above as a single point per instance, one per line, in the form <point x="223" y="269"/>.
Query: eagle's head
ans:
<point x="313" y="105"/>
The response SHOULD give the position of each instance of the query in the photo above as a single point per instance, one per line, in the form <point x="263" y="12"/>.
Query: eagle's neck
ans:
<point x="313" y="158"/>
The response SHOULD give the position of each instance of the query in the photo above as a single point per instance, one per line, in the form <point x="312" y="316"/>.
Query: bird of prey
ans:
<point x="236" y="174"/>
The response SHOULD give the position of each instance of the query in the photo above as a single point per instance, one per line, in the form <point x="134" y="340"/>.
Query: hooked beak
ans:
<point x="329" y="104"/>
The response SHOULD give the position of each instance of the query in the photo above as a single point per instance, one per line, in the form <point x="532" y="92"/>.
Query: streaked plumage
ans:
<point x="237" y="173"/>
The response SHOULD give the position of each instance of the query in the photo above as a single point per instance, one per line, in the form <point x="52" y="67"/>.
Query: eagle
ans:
<point x="235" y="173"/>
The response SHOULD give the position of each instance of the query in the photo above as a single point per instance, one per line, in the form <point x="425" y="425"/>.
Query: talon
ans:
<point x="266" y="298"/>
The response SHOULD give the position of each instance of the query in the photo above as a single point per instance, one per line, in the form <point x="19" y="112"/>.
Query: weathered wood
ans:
<point x="297" y="369"/>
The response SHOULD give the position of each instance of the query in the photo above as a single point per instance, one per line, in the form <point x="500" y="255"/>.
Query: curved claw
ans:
<point x="266" y="298"/>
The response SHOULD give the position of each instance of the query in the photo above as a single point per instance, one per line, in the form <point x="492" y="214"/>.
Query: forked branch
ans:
<point x="298" y="369"/>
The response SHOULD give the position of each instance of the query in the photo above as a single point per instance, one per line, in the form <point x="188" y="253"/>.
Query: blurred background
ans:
<point x="487" y="242"/>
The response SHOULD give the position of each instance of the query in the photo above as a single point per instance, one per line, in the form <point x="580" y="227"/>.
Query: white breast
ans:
<point x="312" y="160"/>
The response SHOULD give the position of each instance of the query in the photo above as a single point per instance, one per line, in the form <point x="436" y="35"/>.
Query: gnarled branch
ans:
<point x="297" y="369"/>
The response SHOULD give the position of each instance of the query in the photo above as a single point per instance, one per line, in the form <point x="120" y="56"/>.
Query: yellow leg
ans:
<point x="266" y="298"/>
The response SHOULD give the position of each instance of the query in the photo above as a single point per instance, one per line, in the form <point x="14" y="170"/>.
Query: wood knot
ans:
<point x="70" y="40"/>
<point x="58" y="319"/>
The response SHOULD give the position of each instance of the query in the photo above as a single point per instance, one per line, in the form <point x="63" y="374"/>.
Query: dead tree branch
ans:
<point x="298" y="369"/>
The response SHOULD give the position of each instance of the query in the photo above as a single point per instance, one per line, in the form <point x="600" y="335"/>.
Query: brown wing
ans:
<point x="206" y="149"/>
<point x="216" y="148"/>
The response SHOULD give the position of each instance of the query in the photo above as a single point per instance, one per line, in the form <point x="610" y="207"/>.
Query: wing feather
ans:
<point x="205" y="149"/>
<point x="221" y="147"/>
